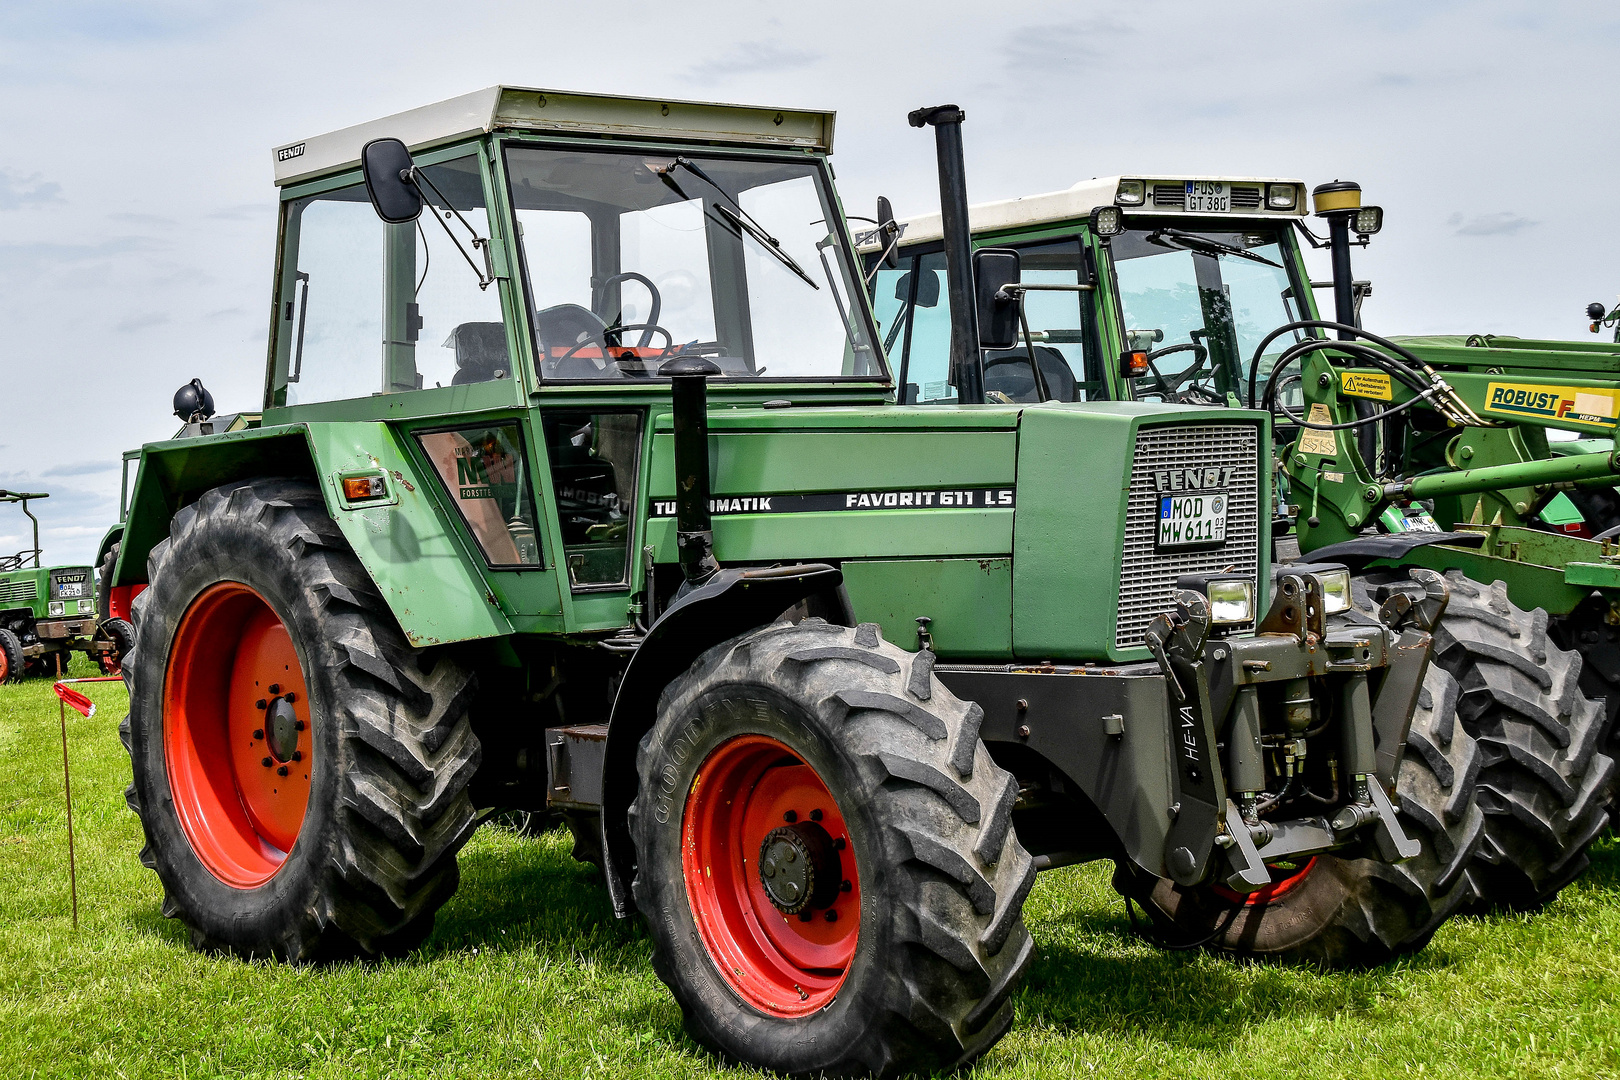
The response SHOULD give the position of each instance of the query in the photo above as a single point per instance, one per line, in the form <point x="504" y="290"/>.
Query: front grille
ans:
<point x="1147" y="578"/>
<point x="1169" y="195"/>
<point x="1245" y="198"/>
<point x="19" y="592"/>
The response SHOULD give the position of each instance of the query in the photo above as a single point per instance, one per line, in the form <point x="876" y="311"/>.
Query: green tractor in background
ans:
<point x="1194" y="290"/>
<point x="594" y="500"/>
<point x="50" y="612"/>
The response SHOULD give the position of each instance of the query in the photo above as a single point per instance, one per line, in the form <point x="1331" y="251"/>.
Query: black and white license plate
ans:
<point x="70" y="589"/>
<point x="1208" y="197"/>
<point x="1192" y="520"/>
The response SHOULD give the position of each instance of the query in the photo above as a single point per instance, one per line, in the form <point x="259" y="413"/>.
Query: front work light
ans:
<point x="1282" y="196"/>
<point x="1130" y="193"/>
<point x="1231" y="596"/>
<point x="1107" y="221"/>
<point x="1335" y="590"/>
<point x="1368" y="220"/>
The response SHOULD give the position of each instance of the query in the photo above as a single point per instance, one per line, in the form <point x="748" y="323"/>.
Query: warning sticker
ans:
<point x="1367" y="384"/>
<point x="1312" y="441"/>
<point x="1568" y="404"/>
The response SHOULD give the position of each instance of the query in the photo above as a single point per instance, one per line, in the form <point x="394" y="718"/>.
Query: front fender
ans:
<point x="731" y="603"/>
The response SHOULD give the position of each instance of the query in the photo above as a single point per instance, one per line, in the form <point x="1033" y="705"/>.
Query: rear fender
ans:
<point x="731" y="603"/>
<point x="407" y="545"/>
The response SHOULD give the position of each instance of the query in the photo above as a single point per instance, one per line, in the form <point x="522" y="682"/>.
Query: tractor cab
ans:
<point x="1143" y="288"/>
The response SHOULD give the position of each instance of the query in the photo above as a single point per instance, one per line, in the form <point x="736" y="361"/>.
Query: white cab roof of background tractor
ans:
<point x="1248" y="197"/>
<point x="557" y="111"/>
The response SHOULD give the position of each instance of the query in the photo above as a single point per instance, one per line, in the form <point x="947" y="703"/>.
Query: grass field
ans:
<point x="529" y="974"/>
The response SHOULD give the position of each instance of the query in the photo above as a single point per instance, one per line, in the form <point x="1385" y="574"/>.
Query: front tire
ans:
<point x="299" y="770"/>
<point x="11" y="658"/>
<point x="875" y="928"/>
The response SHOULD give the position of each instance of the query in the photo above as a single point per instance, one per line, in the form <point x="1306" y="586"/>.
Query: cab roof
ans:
<point x="534" y="109"/>
<point x="1077" y="203"/>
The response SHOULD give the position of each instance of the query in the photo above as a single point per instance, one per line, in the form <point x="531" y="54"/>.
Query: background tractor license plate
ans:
<point x="1192" y="520"/>
<point x="1208" y="197"/>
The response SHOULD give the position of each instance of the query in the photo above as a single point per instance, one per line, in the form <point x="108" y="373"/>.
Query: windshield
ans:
<point x="633" y="258"/>
<point x="1200" y="300"/>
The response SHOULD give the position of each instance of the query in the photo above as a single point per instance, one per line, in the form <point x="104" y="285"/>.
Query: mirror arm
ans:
<point x="1034" y="365"/>
<point x="416" y="177"/>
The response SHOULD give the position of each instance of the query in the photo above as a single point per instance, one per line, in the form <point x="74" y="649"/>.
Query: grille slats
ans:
<point x="19" y="592"/>
<point x="1246" y="198"/>
<point x="1147" y="578"/>
<point x="1169" y="195"/>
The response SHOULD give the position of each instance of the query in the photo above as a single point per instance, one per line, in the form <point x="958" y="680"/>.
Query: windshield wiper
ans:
<point x="1203" y="245"/>
<point x="740" y="219"/>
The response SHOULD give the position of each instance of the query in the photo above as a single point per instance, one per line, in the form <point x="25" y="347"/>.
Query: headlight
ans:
<point x="1231" y="597"/>
<point x="56" y="607"/>
<point x="87" y="607"/>
<point x="1335" y="591"/>
<point x="1130" y="193"/>
<point x="1107" y="221"/>
<point x="1231" y="602"/>
<point x="1282" y="196"/>
<point x="1368" y="220"/>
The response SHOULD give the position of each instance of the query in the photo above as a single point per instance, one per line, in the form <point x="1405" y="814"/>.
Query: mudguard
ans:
<point x="730" y="603"/>
<point x="1357" y="553"/>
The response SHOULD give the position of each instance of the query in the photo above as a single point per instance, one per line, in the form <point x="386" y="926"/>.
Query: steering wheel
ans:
<point x="652" y="316"/>
<point x="648" y="329"/>
<point x="1167" y="388"/>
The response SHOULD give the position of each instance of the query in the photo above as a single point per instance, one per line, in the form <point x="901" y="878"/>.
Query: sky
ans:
<point x="137" y="214"/>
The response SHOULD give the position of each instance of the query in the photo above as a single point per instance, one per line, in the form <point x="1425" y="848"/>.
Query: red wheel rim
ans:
<point x="235" y="698"/>
<point x="1284" y="880"/>
<point x="779" y="963"/>
<point x="5" y="666"/>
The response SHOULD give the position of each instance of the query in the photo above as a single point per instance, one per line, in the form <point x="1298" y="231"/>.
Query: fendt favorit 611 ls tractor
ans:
<point x="580" y="486"/>
<point x="47" y="613"/>
<point x="1195" y="290"/>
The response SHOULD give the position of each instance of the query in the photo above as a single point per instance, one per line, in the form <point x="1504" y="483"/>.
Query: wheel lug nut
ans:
<point x="289" y="697"/>
<point x="791" y="816"/>
<point x="831" y="916"/>
<point x="844" y="886"/>
<point x="266" y="763"/>
<point x="261" y="704"/>
<point x="275" y="688"/>
<point x="839" y="844"/>
<point x="258" y="733"/>
<point x="805" y="916"/>
<point x="282" y="771"/>
<point x="815" y="815"/>
<point x="298" y="755"/>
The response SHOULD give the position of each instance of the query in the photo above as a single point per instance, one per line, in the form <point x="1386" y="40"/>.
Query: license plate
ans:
<point x="68" y="590"/>
<point x="1190" y="521"/>
<point x="1208" y="197"/>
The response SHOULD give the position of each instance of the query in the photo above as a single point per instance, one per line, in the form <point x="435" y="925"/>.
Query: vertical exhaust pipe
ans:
<point x="694" y="532"/>
<point x="967" y="362"/>
<point x="1338" y="202"/>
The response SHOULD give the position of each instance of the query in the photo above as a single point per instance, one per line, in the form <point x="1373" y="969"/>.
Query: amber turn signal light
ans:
<point x="364" y="487"/>
<point x="1133" y="362"/>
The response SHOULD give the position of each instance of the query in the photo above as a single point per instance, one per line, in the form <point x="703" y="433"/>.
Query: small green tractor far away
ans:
<point x="1194" y="290"/>
<point x="581" y="488"/>
<point x="49" y="612"/>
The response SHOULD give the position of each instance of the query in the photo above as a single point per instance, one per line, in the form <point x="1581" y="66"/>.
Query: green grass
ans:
<point x="529" y="974"/>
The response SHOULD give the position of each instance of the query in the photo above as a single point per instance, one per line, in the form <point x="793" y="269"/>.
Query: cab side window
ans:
<point x="915" y="323"/>
<point x="594" y="460"/>
<point x="370" y="308"/>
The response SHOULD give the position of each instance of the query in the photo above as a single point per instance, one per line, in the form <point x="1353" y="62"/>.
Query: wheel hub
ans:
<point x="281" y="729"/>
<point x="799" y="867"/>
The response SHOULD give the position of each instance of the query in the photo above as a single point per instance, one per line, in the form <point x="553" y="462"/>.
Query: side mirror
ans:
<point x="888" y="234"/>
<point x="387" y="167"/>
<point x="993" y="270"/>
<point x="927" y="288"/>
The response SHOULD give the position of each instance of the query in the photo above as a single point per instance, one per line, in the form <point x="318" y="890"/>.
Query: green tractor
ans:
<point x="580" y="488"/>
<point x="49" y="612"/>
<point x="1194" y="290"/>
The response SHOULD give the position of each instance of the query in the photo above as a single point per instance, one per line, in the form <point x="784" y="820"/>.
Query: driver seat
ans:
<point x="562" y="327"/>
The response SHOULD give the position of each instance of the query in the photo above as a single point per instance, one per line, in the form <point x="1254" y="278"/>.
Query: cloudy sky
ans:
<point x="137" y="213"/>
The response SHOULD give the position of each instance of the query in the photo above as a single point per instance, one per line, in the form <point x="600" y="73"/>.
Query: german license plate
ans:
<point x="1208" y="197"/>
<point x="1192" y="520"/>
<point x="70" y="589"/>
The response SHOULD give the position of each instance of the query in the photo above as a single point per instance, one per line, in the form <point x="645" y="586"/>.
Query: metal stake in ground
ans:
<point x="82" y="704"/>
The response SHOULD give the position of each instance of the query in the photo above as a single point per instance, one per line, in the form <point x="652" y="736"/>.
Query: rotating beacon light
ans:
<point x="1340" y="203"/>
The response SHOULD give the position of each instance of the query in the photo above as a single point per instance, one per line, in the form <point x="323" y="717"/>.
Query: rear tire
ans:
<point x="11" y="658"/>
<point x="122" y="636"/>
<point x="1343" y="912"/>
<point x="360" y="867"/>
<point x="1545" y="783"/>
<point x="917" y="974"/>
